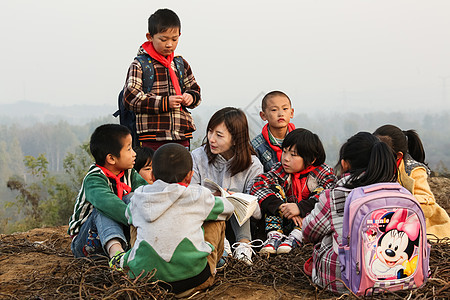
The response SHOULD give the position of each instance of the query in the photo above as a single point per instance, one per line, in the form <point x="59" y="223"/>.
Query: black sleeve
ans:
<point x="271" y="204"/>
<point x="307" y="205"/>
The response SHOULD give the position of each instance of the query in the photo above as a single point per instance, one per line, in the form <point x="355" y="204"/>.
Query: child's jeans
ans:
<point x="241" y="232"/>
<point x="96" y="232"/>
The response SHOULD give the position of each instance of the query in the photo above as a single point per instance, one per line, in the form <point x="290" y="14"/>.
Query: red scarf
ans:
<point x="277" y="149"/>
<point x="165" y="61"/>
<point x="299" y="187"/>
<point x="120" y="186"/>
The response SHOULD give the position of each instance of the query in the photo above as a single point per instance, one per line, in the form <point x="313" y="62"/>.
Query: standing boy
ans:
<point x="161" y="108"/>
<point x="98" y="224"/>
<point x="180" y="227"/>
<point x="277" y="111"/>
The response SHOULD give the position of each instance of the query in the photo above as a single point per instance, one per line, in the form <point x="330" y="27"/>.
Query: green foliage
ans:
<point x="37" y="166"/>
<point x="75" y="164"/>
<point x="47" y="200"/>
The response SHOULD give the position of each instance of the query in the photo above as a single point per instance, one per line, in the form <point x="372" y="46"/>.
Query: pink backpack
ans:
<point x="384" y="244"/>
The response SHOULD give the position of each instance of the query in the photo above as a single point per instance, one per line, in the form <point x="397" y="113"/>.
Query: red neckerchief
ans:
<point x="299" y="184"/>
<point x="277" y="149"/>
<point x="399" y="161"/>
<point x="120" y="186"/>
<point x="165" y="61"/>
<point x="183" y="184"/>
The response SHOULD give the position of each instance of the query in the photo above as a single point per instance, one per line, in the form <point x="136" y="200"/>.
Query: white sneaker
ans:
<point x="243" y="251"/>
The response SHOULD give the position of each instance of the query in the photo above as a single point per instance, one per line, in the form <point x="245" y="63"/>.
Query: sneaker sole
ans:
<point x="267" y="250"/>
<point x="284" y="249"/>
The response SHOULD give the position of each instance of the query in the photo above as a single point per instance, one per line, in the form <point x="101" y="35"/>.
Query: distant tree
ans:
<point x="29" y="197"/>
<point x="47" y="200"/>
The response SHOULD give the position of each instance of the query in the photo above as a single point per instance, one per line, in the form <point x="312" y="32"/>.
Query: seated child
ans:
<point x="143" y="163"/>
<point x="276" y="109"/>
<point x="180" y="227"/>
<point x="413" y="175"/>
<point x="289" y="191"/>
<point x="364" y="160"/>
<point x="98" y="224"/>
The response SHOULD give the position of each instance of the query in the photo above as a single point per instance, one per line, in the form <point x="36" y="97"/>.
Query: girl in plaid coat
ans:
<point x="365" y="160"/>
<point x="289" y="191"/>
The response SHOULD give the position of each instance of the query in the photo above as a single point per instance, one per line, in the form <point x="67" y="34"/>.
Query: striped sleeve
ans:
<point x="221" y="210"/>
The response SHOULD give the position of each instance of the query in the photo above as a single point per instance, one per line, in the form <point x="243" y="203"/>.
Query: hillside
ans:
<point x="38" y="265"/>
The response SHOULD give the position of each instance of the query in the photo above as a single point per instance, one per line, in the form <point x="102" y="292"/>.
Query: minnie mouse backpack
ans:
<point x="384" y="241"/>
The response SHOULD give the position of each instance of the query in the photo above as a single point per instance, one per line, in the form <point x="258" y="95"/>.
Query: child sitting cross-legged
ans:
<point x="180" y="227"/>
<point x="289" y="191"/>
<point x="98" y="224"/>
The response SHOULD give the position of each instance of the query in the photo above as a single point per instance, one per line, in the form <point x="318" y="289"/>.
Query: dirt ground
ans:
<point x="31" y="256"/>
<point x="38" y="264"/>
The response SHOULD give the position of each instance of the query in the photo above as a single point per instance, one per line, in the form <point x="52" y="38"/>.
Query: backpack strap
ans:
<point x="148" y="72"/>
<point x="179" y="65"/>
<point x="148" y="76"/>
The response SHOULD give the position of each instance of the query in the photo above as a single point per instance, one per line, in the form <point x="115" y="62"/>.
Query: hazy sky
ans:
<point x="324" y="54"/>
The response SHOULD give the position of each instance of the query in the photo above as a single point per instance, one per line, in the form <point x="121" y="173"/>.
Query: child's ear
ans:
<point x="345" y="165"/>
<point x="262" y="115"/>
<point x="110" y="159"/>
<point x="188" y="177"/>
<point x="399" y="155"/>
<point x="292" y="113"/>
<point x="149" y="37"/>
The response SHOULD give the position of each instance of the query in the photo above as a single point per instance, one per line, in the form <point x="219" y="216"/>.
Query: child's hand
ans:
<point x="175" y="101"/>
<point x="289" y="210"/>
<point x="229" y="192"/>
<point x="297" y="221"/>
<point x="187" y="99"/>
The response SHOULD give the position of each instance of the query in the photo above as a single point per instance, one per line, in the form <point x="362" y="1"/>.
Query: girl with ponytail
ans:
<point x="413" y="174"/>
<point x="363" y="160"/>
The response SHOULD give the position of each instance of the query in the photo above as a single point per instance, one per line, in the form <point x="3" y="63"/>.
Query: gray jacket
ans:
<point x="218" y="172"/>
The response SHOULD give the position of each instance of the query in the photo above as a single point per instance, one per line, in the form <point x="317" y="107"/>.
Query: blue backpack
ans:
<point x="128" y="117"/>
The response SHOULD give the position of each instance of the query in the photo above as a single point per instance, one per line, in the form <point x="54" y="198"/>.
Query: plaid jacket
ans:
<point x="322" y="177"/>
<point x="154" y="119"/>
<point x="323" y="227"/>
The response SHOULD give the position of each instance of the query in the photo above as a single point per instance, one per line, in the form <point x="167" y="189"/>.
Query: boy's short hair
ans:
<point x="171" y="163"/>
<point x="273" y="94"/>
<point x="143" y="155"/>
<point x="107" y="139"/>
<point x="163" y="19"/>
<point x="307" y="145"/>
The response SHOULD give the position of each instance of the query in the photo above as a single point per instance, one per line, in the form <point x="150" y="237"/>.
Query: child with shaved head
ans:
<point x="180" y="227"/>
